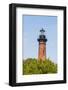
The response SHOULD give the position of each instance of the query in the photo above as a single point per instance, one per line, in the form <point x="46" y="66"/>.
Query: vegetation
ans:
<point x="34" y="66"/>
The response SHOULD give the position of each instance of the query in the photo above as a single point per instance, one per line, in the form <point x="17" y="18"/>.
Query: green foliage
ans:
<point x="34" y="66"/>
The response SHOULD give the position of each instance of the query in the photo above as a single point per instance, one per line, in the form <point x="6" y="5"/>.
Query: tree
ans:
<point x="34" y="66"/>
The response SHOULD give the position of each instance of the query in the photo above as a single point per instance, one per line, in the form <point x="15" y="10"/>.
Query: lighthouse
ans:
<point x="42" y="45"/>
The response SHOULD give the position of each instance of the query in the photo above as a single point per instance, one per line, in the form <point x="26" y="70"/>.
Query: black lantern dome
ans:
<point x="42" y="36"/>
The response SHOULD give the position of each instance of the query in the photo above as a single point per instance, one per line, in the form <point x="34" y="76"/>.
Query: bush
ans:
<point x="34" y="66"/>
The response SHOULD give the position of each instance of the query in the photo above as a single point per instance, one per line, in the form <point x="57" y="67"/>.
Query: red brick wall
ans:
<point x="42" y="51"/>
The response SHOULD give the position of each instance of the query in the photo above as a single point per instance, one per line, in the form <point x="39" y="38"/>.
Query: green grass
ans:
<point x="34" y="66"/>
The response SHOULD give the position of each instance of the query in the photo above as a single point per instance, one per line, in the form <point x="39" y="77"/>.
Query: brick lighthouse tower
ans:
<point x="42" y="45"/>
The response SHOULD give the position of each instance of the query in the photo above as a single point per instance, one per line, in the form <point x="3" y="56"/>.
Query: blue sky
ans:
<point x="32" y="26"/>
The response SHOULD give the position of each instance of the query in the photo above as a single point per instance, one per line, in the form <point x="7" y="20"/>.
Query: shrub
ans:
<point x="34" y="66"/>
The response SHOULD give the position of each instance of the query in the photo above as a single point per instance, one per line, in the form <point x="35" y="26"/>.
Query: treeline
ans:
<point x="34" y="66"/>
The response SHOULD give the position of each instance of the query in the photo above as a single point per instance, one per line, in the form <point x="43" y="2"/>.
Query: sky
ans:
<point x="31" y="30"/>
